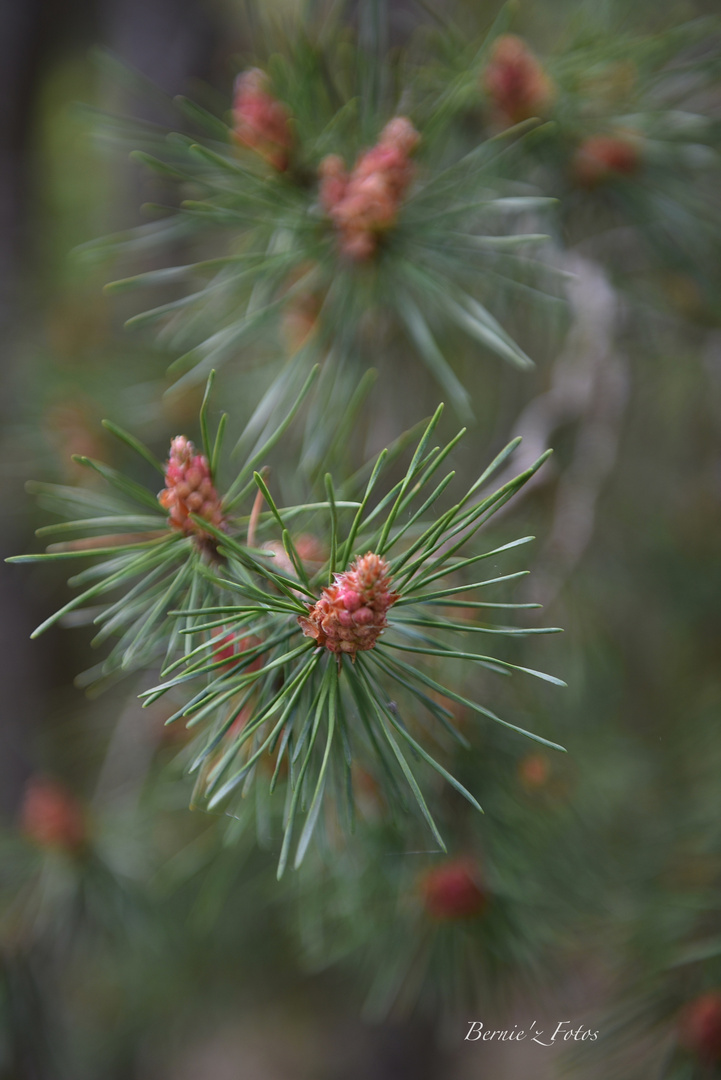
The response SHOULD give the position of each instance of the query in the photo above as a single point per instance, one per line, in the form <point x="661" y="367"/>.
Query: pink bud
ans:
<point x="189" y="489"/>
<point x="51" y="817"/>
<point x="516" y="83"/>
<point x="604" y="157"/>
<point x="261" y="121"/>
<point x="350" y="614"/>
<point x="454" y="890"/>
<point x="400" y="133"/>
<point x="700" y="1027"/>
<point x="365" y="203"/>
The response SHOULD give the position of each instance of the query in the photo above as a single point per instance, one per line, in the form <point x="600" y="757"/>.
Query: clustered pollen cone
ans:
<point x="700" y="1027"/>
<point x="351" y="613"/>
<point x="454" y="890"/>
<point x="189" y="490"/>
<point x="364" y="203"/>
<point x="516" y="82"/>
<point x="606" y="157"/>
<point x="261" y="122"/>
<point x="51" y="817"/>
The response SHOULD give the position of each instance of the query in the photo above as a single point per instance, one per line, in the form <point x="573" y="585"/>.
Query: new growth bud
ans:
<point x="351" y="613"/>
<point x="700" y="1027"/>
<point x="260" y="121"/>
<point x="534" y="771"/>
<point x="516" y="82"/>
<point x="51" y="817"/>
<point x="189" y="490"/>
<point x="454" y="890"/>
<point x="364" y="203"/>
<point x="604" y="157"/>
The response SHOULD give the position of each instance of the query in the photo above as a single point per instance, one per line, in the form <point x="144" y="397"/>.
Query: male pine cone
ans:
<point x="351" y="613"/>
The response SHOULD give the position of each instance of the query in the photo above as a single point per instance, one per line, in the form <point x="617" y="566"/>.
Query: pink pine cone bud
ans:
<point x="700" y="1027"/>
<point x="351" y="613"/>
<point x="454" y="890"/>
<point x="605" y="157"/>
<point x="51" y="817"/>
<point x="534" y="771"/>
<point x="365" y="203"/>
<point x="516" y="82"/>
<point x="261" y="121"/>
<point x="399" y="132"/>
<point x="189" y="489"/>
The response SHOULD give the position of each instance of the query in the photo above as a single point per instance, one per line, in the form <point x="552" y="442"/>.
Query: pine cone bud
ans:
<point x="189" y="490"/>
<point x="454" y="890"/>
<point x="365" y="203"/>
<point x="351" y="613"/>
<point x="51" y="817"/>
<point x="700" y="1027"/>
<point x="261" y="121"/>
<point x="603" y="157"/>
<point x="534" y="771"/>
<point x="517" y="85"/>
<point x="399" y="132"/>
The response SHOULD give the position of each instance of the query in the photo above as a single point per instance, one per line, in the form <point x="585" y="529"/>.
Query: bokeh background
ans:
<point x="176" y="955"/>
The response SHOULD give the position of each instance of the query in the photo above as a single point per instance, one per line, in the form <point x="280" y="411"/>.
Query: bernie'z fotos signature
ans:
<point x="563" y="1032"/>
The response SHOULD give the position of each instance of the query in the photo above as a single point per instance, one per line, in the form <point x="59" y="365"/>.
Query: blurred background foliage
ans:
<point x="157" y="942"/>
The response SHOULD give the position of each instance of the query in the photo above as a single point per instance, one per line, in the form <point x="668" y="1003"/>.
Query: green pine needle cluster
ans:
<point x="220" y="619"/>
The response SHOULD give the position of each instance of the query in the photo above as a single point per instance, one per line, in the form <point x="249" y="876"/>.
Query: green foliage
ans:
<point x="310" y="712"/>
<point x="223" y="610"/>
<point x="595" y="863"/>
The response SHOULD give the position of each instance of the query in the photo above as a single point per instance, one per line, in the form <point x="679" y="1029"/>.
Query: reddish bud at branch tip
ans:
<point x="700" y="1026"/>
<point x="350" y="614"/>
<point x="189" y="489"/>
<point x="365" y="202"/>
<point x="454" y="890"/>
<point x="516" y="83"/>
<point x="51" y="817"/>
<point x="261" y="122"/>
